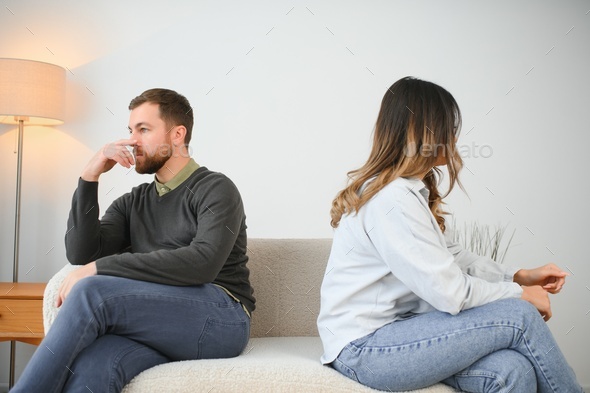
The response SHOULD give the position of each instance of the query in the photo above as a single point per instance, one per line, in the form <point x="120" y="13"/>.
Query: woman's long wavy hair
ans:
<point x="418" y="123"/>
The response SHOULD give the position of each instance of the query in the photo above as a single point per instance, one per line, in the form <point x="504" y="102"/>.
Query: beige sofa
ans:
<point x="284" y="349"/>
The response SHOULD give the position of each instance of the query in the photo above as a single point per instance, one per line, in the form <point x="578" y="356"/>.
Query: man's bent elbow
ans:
<point x="78" y="258"/>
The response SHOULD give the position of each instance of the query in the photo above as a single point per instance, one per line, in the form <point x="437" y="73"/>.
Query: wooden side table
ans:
<point x="21" y="315"/>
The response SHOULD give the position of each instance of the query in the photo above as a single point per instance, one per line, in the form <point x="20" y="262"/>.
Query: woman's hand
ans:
<point x="539" y="298"/>
<point x="71" y="280"/>
<point x="550" y="277"/>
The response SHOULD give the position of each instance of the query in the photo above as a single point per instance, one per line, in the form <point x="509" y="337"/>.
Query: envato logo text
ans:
<point x="474" y="150"/>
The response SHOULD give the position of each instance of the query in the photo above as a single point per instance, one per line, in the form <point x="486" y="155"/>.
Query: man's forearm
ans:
<point x="85" y="240"/>
<point x="83" y="223"/>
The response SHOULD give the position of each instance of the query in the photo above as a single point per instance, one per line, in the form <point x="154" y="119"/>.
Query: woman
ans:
<point x="403" y="307"/>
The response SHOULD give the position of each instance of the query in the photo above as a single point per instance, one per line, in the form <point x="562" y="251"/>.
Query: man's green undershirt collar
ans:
<point x="178" y="179"/>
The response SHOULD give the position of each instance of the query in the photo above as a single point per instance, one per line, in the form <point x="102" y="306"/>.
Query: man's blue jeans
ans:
<point x="503" y="346"/>
<point x="110" y="329"/>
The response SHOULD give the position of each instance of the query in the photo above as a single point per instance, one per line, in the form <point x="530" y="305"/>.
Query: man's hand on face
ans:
<point x="107" y="157"/>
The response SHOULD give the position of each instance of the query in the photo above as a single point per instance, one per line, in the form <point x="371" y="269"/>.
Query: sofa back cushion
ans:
<point x="286" y="275"/>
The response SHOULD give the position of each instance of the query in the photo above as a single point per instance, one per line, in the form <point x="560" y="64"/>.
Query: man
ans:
<point x="164" y="275"/>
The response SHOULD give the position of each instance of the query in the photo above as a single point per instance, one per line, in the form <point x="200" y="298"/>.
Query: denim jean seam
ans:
<point x="167" y="297"/>
<point x="370" y="348"/>
<point x="352" y="347"/>
<point x="116" y="361"/>
<point x="351" y="373"/>
<point x="72" y="356"/>
<point x="537" y="362"/>
<point x="208" y="327"/>
<point x="486" y="374"/>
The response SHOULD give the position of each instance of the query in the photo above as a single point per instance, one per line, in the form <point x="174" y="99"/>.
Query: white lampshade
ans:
<point x="32" y="91"/>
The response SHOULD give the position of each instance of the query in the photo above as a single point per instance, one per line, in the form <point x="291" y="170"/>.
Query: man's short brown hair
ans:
<point x="175" y="109"/>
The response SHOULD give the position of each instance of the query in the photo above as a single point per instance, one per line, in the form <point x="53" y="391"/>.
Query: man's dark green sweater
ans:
<point x="192" y="235"/>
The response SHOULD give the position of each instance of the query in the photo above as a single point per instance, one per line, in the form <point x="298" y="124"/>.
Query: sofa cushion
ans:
<point x="274" y="364"/>
<point x="286" y="275"/>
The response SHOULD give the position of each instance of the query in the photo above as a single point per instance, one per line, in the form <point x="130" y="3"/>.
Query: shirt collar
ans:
<point x="417" y="185"/>
<point x="178" y="179"/>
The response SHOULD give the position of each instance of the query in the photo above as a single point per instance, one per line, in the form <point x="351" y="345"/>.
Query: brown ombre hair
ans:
<point x="418" y="123"/>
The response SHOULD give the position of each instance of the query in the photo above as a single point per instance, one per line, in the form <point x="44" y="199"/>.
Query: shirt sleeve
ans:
<point x="407" y="240"/>
<point x="88" y="238"/>
<point x="221" y="219"/>
<point x="478" y="266"/>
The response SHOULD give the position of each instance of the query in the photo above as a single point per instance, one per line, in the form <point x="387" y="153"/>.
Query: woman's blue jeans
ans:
<point x="110" y="329"/>
<point x="504" y="346"/>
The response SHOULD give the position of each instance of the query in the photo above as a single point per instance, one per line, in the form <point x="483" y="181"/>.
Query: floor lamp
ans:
<point x="31" y="92"/>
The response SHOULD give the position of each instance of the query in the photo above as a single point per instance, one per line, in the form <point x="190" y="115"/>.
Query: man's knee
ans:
<point x="92" y="285"/>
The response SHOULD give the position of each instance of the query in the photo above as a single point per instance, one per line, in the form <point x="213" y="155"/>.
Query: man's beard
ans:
<point x="152" y="164"/>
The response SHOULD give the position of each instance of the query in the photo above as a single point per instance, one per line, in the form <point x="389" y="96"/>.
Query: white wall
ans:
<point x="286" y="94"/>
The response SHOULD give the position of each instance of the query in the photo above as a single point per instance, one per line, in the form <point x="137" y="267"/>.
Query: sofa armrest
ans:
<point x="51" y="293"/>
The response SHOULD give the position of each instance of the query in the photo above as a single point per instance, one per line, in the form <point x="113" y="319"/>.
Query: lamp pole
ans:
<point x="19" y="164"/>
